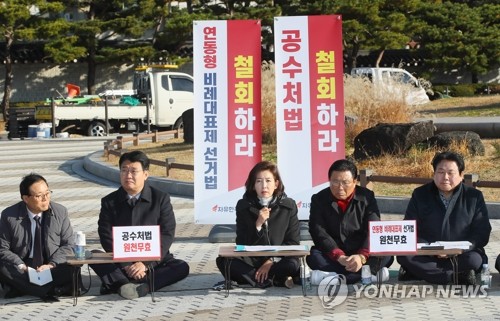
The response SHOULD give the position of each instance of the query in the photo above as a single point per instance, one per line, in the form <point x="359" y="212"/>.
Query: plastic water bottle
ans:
<point x="305" y="274"/>
<point x="80" y="245"/>
<point x="485" y="276"/>
<point x="366" y="275"/>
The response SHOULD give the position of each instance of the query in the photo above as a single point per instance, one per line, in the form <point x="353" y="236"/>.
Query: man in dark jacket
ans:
<point x="338" y="224"/>
<point x="23" y="244"/>
<point x="136" y="203"/>
<point x="447" y="210"/>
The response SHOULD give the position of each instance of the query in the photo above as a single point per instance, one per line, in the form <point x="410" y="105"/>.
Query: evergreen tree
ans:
<point x="456" y="35"/>
<point x="19" y="21"/>
<point x="111" y="31"/>
<point x="366" y="24"/>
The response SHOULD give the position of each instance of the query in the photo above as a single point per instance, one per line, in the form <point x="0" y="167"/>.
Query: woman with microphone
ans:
<point x="265" y="216"/>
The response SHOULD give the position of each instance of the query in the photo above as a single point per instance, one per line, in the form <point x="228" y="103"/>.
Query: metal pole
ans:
<point x="53" y="113"/>
<point x="147" y="112"/>
<point x="106" y="114"/>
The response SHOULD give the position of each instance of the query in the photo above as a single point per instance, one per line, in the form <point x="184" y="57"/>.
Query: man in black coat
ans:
<point x="447" y="210"/>
<point x="136" y="203"/>
<point x="338" y="224"/>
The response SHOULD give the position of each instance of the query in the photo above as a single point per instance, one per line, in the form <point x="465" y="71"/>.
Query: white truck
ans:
<point x="171" y="94"/>
<point x="394" y="80"/>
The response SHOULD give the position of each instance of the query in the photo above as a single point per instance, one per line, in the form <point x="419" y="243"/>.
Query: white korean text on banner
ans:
<point x="309" y="103"/>
<point x="227" y="112"/>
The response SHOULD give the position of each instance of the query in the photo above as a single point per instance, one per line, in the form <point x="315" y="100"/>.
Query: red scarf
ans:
<point x="342" y="204"/>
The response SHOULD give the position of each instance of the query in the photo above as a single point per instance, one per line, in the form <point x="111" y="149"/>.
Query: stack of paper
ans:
<point x="445" y="245"/>
<point x="258" y="248"/>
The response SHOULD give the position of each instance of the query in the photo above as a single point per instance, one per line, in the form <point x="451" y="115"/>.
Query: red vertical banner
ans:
<point x="244" y="99"/>
<point x="309" y="102"/>
<point x="326" y="94"/>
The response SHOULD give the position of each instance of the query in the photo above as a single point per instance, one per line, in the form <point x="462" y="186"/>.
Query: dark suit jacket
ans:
<point x="153" y="208"/>
<point x="466" y="218"/>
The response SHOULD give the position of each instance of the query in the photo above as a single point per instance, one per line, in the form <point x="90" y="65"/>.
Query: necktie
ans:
<point x="132" y="201"/>
<point x="37" y="248"/>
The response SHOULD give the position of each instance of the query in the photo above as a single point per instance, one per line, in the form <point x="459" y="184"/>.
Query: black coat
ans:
<point x="331" y="229"/>
<point x="282" y="226"/>
<point x="153" y="208"/>
<point x="465" y="220"/>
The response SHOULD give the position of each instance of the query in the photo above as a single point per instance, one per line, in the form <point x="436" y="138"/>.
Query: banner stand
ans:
<point x="221" y="233"/>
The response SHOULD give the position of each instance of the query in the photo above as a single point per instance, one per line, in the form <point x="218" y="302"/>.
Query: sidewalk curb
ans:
<point x="98" y="167"/>
<point x="94" y="164"/>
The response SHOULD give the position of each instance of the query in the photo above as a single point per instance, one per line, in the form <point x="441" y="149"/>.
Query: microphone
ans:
<point x="264" y="202"/>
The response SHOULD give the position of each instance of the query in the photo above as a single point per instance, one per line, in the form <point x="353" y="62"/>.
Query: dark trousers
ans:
<point x="287" y="266"/>
<point x="61" y="277"/>
<point x="113" y="276"/>
<point x="318" y="260"/>
<point x="439" y="271"/>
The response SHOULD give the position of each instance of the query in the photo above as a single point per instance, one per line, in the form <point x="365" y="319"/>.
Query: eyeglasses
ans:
<point x="133" y="172"/>
<point x="344" y="184"/>
<point x="40" y="197"/>
<point x="450" y="173"/>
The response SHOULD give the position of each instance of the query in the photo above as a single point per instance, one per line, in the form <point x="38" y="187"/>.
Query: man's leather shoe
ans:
<point x="103" y="290"/>
<point x="65" y="290"/>
<point x="404" y="275"/>
<point x="266" y="284"/>
<point x="11" y="292"/>
<point x="467" y="277"/>
<point x="50" y="299"/>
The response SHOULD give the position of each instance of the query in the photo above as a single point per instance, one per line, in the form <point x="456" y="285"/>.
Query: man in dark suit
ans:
<point x="447" y="210"/>
<point x="35" y="233"/>
<point x="136" y="203"/>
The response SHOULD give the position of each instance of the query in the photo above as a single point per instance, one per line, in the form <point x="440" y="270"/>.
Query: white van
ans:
<point x="389" y="78"/>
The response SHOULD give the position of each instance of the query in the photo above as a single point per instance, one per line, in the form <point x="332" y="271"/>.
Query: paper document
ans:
<point x="258" y="248"/>
<point x="446" y="245"/>
<point x="39" y="278"/>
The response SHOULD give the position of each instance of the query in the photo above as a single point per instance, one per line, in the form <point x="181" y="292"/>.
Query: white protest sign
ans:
<point x="393" y="237"/>
<point x="132" y="243"/>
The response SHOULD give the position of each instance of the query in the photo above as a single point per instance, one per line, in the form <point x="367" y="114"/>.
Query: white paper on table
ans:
<point x="447" y="245"/>
<point x="258" y="248"/>
<point x="39" y="278"/>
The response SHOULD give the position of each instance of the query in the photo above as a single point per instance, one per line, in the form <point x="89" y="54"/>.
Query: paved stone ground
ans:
<point x="60" y="161"/>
